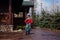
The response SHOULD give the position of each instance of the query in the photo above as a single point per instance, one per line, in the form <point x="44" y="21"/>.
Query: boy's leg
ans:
<point x="29" y="29"/>
<point x="26" y="33"/>
<point x="29" y="32"/>
<point x="26" y="30"/>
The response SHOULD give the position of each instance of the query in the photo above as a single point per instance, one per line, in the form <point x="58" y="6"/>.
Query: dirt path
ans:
<point x="40" y="34"/>
<point x="36" y="34"/>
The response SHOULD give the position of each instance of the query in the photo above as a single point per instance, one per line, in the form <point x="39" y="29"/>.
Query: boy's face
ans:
<point x="26" y="16"/>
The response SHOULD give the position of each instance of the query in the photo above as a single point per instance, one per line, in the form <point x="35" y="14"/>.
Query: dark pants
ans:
<point x="27" y="32"/>
<point x="27" y="28"/>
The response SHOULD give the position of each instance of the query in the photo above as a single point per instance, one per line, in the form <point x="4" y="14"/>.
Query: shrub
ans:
<point x="49" y="21"/>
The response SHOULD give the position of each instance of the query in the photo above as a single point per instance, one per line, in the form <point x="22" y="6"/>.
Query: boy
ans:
<point x="28" y="22"/>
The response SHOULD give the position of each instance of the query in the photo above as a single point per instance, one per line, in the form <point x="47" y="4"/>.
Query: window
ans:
<point x="18" y="15"/>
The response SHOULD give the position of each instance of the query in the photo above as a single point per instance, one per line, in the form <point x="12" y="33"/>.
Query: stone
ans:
<point x="6" y="28"/>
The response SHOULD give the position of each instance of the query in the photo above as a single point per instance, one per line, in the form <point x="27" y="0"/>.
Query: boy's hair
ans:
<point x="28" y="15"/>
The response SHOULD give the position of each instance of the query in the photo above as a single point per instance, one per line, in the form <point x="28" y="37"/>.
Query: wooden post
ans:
<point x="10" y="27"/>
<point x="25" y="12"/>
<point x="10" y="14"/>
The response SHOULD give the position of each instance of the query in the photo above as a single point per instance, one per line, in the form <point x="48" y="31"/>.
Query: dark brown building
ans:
<point x="13" y="12"/>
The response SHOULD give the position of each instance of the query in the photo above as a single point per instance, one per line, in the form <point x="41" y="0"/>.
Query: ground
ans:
<point x="36" y="34"/>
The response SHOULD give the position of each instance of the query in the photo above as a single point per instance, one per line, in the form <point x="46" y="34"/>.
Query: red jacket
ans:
<point x="28" y="21"/>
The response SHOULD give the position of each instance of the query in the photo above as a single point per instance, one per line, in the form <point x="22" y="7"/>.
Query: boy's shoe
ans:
<point x="29" y="32"/>
<point x="26" y="33"/>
